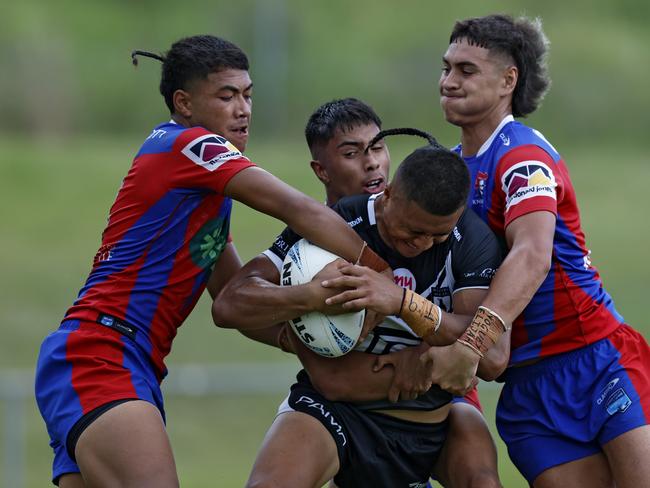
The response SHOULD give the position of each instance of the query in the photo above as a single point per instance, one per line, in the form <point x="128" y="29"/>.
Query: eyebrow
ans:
<point x="350" y="143"/>
<point x="234" y="88"/>
<point x="462" y="64"/>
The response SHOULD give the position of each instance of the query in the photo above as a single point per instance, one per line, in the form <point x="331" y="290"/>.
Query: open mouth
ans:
<point x="241" y="131"/>
<point x="374" y="186"/>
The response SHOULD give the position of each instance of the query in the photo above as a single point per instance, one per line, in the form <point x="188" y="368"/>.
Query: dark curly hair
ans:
<point x="523" y="41"/>
<point x="435" y="178"/>
<point x="342" y="114"/>
<point x="193" y="58"/>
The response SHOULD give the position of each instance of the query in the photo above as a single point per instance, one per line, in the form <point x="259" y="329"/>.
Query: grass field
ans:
<point x="54" y="198"/>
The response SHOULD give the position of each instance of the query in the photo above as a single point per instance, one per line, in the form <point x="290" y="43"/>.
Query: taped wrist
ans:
<point x="483" y="332"/>
<point x="369" y="258"/>
<point x="422" y="316"/>
<point x="283" y="340"/>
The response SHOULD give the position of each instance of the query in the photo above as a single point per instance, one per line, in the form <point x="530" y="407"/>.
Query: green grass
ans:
<point x="53" y="205"/>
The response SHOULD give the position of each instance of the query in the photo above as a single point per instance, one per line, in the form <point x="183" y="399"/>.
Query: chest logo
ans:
<point x="479" y="183"/>
<point x="404" y="278"/>
<point x="208" y="243"/>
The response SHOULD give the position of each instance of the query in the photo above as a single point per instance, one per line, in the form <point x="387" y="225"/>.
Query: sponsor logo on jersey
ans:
<point x="505" y="139"/>
<point x="355" y="222"/>
<point x="208" y="243"/>
<point x="157" y="134"/>
<point x="404" y="278"/>
<point x="210" y="151"/>
<point x="528" y="179"/>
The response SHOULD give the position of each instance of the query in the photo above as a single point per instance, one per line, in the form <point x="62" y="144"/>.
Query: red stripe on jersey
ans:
<point x="577" y="313"/>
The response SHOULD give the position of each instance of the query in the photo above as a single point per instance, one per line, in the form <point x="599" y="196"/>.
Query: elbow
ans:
<point x="221" y="315"/>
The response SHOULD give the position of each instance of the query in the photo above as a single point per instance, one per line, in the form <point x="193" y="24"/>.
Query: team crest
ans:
<point x="210" y="151"/>
<point x="528" y="179"/>
<point x="479" y="183"/>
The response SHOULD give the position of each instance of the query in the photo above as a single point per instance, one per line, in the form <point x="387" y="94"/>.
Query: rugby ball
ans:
<point x="327" y="335"/>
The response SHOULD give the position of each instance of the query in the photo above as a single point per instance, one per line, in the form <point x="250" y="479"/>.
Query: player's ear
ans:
<point x="510" y="77"/>
<point x="182" y="103"/>
<point x="320" y="171"/>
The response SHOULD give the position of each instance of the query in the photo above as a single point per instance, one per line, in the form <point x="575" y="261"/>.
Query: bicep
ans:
<point x="535" y="230"/>
<point x="264" y="192"/>
<point x="227" y="265"/>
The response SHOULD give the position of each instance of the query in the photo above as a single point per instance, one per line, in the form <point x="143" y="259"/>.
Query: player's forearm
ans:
<point x="496" y="359"/>
<point x="516" y="281"/>
<point x="267" y="335"/>
<point x="255" y="303"/>
<point x="325" y="228"/>
<point x="451" y="327"/>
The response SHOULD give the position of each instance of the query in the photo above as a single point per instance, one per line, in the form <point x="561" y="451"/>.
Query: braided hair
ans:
<point x="432" y="176"/>
<point x="193" y="58"/>
<point x="523" y="42"/>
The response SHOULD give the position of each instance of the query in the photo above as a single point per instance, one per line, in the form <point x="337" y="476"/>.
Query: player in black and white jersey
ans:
<point x="457" y="260"/>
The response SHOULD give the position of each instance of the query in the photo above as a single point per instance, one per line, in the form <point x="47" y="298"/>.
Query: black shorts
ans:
<point x="374" y="449"/>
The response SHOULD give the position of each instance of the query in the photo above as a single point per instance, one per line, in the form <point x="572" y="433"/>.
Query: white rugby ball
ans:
<point x="327" y="335"/>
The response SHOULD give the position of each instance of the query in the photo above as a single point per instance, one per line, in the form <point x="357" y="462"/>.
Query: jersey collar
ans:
<point x="506" y="120"/>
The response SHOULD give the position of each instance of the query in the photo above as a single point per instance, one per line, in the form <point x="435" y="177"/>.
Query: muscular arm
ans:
<point x="264" y="192"/>
<point x="225" y="268"/>
<point x="530" y="243"/>
<point x="530" y="240"/>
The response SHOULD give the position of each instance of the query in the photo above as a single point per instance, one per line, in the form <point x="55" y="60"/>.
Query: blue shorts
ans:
<point x="81" y="367"/>
<point x="565" y="407"/>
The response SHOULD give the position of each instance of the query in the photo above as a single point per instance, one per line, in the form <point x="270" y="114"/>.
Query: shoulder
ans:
<point x="356" y="209"/>
<point x="471" y="225"/>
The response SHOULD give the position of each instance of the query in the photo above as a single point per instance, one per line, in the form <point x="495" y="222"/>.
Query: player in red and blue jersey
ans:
<point x="575" y="407"/>
<point x="167" y="239"/>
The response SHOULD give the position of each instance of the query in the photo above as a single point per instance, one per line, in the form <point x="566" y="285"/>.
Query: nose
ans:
<point x="370" y="162"/>
<point x="448" y="80"/>
<point x="244" y="107"/>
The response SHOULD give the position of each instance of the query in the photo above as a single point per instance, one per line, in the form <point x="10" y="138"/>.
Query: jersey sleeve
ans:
<point x="529" y="182"/>
<point x="478" y="256"/>
<point x="206" y="160"/>
<point x="278" y="251"/>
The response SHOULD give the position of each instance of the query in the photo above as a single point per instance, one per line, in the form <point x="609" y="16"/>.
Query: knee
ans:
<point x="485" y="478"/>
<point x="260" y="481"/>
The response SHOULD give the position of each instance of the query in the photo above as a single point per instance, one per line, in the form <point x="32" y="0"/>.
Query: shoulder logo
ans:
<point x="527" y="179"/>
<point x="505" y="139"/>
<point x="210" y="151"/>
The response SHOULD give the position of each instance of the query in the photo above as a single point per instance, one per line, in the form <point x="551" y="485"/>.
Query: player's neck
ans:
<point x="474" y="134"/>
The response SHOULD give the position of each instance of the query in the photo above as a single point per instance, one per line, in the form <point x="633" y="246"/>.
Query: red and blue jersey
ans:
<point x="516" y="172"/>
<point x="167" y="227"/>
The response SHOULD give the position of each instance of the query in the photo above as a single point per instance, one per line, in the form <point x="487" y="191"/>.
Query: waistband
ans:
<point x="105" y="320"/>
<point x="548" y="364"/>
